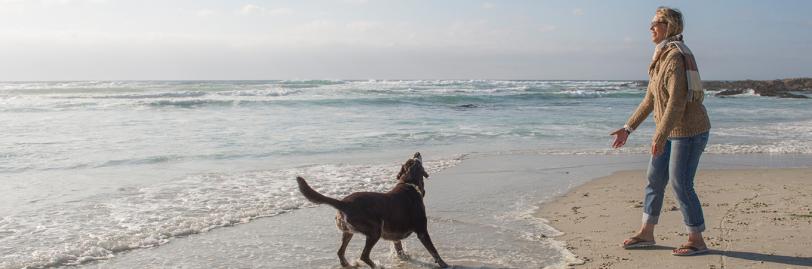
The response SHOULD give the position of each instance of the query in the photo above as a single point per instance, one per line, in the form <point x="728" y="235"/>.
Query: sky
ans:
<point x="409" y="39"/>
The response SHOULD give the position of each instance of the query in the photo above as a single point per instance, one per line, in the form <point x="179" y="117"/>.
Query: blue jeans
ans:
<point x="678" y="162"/>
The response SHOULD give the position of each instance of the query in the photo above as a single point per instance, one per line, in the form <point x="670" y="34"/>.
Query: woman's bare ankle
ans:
<point x="696" y="240"/>
<point x="646" y="232"/>
<point x="648" y="236"/>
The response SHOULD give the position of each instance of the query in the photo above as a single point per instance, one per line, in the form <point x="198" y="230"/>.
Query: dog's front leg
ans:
<point x="345" y="239"/>
<point x="426" y="240"/>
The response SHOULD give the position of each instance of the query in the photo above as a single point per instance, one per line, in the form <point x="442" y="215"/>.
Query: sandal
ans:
<point x="692" y="250"/>
<point x="637" y="242"/>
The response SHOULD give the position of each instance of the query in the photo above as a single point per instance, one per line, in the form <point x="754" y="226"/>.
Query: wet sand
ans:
<point x="755" y="218"/>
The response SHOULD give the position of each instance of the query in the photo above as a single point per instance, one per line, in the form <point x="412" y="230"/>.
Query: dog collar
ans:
<point x="415" y="188"/>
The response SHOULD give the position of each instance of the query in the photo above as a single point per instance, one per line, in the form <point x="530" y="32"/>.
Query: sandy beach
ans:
<point x="756" y="218"/>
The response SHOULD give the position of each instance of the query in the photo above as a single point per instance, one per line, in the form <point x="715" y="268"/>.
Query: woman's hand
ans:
<point x="656" y="149"/>
<point x="620" y="137"/>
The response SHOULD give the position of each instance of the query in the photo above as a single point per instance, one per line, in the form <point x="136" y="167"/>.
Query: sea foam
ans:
<point x="135" y="217"/>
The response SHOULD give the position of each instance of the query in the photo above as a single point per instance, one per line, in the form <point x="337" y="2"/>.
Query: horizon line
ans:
<point x="379" y="79"/>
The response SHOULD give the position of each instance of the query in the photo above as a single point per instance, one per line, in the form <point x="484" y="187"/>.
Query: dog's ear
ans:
<point x="402" y="171"/>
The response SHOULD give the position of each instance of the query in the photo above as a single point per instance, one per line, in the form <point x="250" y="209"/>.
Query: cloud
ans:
<point x="578" y="12"/>
<point x="547" y="28"/>
<point x="279" y="11"/>
<point x="205" y="12"/>
<point x="318" y="25"/>
<point x="69" y="2"/>
<point x="362" y="26"/>
<point x="251" y="9"/>
<point x="19" y="7"/>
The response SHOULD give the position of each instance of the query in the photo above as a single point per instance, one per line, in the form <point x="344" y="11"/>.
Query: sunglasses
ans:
<point x="654" y="23"/>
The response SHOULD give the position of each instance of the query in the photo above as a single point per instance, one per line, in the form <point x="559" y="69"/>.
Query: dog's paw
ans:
<point x="378" y="266"/>
<point x="362" y="264"/>
<point x="403" y="256"/>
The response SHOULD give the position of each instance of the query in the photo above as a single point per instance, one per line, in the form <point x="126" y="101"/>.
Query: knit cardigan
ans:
<point x="667" y="95"/>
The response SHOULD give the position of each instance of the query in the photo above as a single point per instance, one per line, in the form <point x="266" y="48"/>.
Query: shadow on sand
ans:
<point x="752" y="256"/>
<point x="423" y="264"/>
<point x="413" y="263"/>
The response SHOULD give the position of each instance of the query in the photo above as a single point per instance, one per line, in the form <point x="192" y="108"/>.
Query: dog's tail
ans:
<point x="316" y="197"/>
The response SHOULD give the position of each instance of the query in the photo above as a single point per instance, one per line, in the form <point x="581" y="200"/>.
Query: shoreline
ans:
<point x="756" y="218"/>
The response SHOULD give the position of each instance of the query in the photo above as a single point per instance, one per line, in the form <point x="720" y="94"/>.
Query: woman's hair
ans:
<point x="673" y="17"/>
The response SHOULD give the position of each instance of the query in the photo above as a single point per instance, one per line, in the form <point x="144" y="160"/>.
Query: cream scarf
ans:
<point x="695" y="92"/>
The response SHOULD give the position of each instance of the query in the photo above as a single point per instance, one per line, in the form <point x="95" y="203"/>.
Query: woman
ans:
<point x="675" y="95"/>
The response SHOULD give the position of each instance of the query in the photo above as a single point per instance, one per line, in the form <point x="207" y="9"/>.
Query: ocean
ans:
<point x="94" y="171"/>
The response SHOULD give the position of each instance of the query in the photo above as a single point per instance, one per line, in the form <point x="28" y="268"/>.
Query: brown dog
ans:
<point x="393" y="215"/>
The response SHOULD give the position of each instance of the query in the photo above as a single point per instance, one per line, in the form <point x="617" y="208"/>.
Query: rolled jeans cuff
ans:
<point x="651" y="219"/>
<point x="695" y="229"/>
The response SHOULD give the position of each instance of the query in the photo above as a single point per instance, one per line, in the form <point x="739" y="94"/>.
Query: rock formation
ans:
<point x="784" y="88"/>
